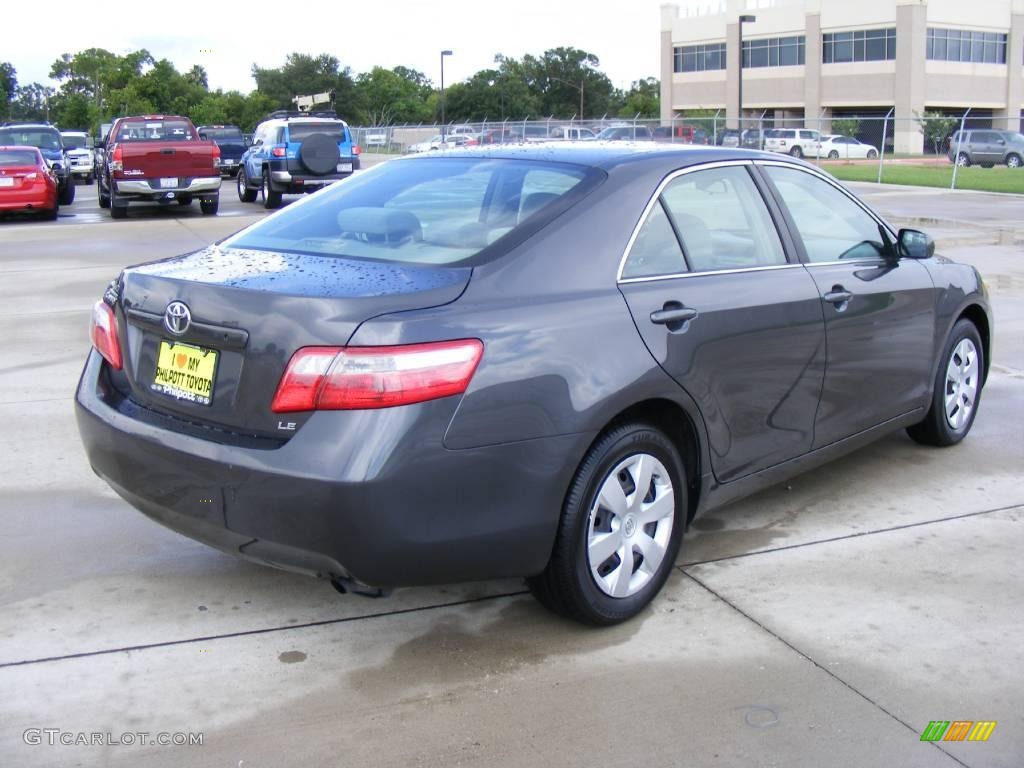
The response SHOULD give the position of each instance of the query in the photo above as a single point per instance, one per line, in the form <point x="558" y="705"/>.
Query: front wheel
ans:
<point x="1013" y="161"/>
<point x="620" y="530"/>
<point x="872" y="155"/>
<point x="245" y="194"/>
<point x="101" y="198"/>
<point x="956" y="390"/>
<point x="833" y="155"/>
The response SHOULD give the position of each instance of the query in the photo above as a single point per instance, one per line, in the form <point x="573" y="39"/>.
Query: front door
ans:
<point x="724" y="312"/>
<point x="879" y="311"/>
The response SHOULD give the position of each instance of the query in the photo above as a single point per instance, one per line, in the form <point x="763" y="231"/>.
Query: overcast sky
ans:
<point x="228" y="37"/>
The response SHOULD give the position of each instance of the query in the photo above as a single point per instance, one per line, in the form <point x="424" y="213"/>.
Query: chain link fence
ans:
<point x="878" y="141"/>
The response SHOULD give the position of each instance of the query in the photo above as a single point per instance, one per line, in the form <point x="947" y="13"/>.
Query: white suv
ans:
<point x="80" y="154"/>
<point x="793" y="141"/>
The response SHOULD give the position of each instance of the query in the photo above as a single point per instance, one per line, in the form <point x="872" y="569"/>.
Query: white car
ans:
<point x="376" y="138"/>
<point x="846" y="148"/>
<point x="435" y="143"/>
<point x="80" y="154"/>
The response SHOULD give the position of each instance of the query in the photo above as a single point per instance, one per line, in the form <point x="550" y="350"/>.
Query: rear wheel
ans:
<point x="620" y="529"/>
<point x="209" y="207"/>
<point x="796" y="152"/>
<point x="67" y="192"/>
<point x="118" y="210"/>
<point x="957" y="389"/>
<point x="245" y="194"/>
<point x="833" y="155"/>
<point x="101" y="197"/>
<point x="271" y="199"/>
<point x="1013" y="160"/>
<point x="872" y="155"/>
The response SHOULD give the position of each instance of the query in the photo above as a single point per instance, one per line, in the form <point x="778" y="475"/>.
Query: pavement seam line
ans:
<point x="827" y="671"/>
<point x="856" y="535"/>
<point x="263" y="631"/>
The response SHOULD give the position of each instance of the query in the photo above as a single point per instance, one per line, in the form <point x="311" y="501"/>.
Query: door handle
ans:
<point x="838" y="295"/>
<point x="673" y="314"/>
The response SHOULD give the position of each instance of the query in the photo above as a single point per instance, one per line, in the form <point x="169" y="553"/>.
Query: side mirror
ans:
<point x="915" y="244"/>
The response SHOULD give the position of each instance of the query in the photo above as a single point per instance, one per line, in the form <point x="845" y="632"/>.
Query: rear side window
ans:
<point x="831" y="225"/>
<point x="300" y="131"/>
<point x="427" y="211"/>
<point x="655" y="250"/>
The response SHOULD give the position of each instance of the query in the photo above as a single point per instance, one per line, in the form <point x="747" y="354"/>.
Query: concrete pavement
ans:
<point x="823" y="622"/>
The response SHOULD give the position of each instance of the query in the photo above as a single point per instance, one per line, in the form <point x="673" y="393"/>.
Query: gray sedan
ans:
<point x="533" y="361"/>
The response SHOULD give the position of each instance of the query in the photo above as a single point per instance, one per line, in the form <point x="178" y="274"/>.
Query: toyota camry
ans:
<point x="536" y="361"/>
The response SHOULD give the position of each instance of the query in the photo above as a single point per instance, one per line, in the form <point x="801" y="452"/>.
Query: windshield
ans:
<point x="154" y="130"/>
<point x="74" y="142"/>
<point x="300" y="131"/>
<point x="222" y="135"/>
<point x="431" y="211"/>
<point x="18" y="157"/>
<point x="30" y="137"/>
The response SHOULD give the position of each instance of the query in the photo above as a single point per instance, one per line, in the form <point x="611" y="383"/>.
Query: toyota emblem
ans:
<point x="177" y="318"/>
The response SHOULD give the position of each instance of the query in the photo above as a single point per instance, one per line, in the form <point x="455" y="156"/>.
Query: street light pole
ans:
<point x="443" y="54"/>
<point x="744" y="18"/>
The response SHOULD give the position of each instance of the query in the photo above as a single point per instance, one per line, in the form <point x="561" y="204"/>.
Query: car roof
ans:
<point x="608" y="154"/>
<point x="286" y="120"/>
<point x="30" y="125"/>
<point x="5" y="147"/>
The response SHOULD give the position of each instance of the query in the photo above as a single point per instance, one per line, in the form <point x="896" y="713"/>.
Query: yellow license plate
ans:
<point x="185" y="372"/>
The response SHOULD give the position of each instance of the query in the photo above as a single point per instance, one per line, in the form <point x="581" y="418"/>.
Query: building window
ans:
<point x="966" y="45"/>
<point x="698" y="58"/>
<point x="774" y="52"/>
<point x="859" y="45"/>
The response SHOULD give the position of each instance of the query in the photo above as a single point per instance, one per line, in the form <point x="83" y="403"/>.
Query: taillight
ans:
<point x="216" y="155"/>
<point x="116" y="159"/>
<point x="103" y="334"/>
<point x="356" y="149"/>
<point x="353" y="378"/>
<point x="278" y="151"/>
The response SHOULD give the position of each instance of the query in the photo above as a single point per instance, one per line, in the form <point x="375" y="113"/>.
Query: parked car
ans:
<point x="570" y="133"/>
<point x="27" y="183"/>
<point x="797" y="142"/>
<point x="728" y="138"/>
<point x="752" y="138"/>
<point x="461" y="130"/>
<point x="987" y="148"/>
<point x="295" y="153"/>
<point x="158" y="159"/>
<point x="498" y="136"/>
<point x="47" y="140"/>
<point x="376" y="137"/>
<point x="81" y="158"/>
<point x="453" y="369"/>
<point x="437" y="142"/>
<point x="534" y="133"/>
<point x="232" y="146"/>
<point x="681" y="134"/>
<point x="846" y="148"/>
<point x="625" y="133"/>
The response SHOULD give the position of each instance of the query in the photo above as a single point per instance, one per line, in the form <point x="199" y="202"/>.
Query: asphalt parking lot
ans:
<point x="822" y="622"/>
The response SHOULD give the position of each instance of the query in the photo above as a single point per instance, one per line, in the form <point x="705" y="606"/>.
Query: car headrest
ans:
<point x="379" y="225"/>
<point x="697" y="240"/>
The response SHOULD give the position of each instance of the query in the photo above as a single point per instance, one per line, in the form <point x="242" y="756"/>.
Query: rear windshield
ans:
<point x="300" y="131"/>
<point x="222" y="135"/>
<point x="74" y="142"/>
<point x="18" y="157"/>
<point x="154" y="130"/>
<point x="427" y="211"/>
<point x="30" y="137"/>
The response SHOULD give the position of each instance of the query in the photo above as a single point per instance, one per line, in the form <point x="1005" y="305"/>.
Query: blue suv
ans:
<point x="47" y="139"/>
<point x="296" y="152"/>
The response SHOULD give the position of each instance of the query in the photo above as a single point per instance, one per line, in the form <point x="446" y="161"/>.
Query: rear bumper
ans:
<point x="35" y="200"/>
<point x="142" y="188"/>
<point x="368" y="495"/>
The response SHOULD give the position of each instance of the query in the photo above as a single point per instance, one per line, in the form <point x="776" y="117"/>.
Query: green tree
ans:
<point x="643" y="97"/>
<point x="8" y="87"/>
<point x="845" y="126"/>
<point x="568" y="81"/>
<point x="399" y="95"/>
<point x="302" y="75"/>
<point x="936" y="127"/>
<point x="31" y="102"/>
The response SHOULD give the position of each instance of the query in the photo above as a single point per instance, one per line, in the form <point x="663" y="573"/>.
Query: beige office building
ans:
<point x="815" y="60"/>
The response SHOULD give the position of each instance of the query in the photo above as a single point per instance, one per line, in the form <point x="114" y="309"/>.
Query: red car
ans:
<point x="26" y="182"/>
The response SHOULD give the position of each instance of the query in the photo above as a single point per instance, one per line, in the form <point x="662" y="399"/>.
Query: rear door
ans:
<point x="879" y="311"/>
<point x="724" y="312"/>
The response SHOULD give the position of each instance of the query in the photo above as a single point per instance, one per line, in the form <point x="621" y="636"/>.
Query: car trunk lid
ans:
<point x="253" y="310"/>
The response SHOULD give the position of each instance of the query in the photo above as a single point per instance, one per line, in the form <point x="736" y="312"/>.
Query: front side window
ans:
<point x="831" y="225"/>
<point x="426" y="211"/>
<point x="722" y="220"/>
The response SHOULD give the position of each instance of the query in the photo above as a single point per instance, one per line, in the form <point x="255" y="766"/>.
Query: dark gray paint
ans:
<point x="472" y="487"/>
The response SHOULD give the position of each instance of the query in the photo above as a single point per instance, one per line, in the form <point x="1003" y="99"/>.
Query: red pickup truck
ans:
<point x="157" y="159"/>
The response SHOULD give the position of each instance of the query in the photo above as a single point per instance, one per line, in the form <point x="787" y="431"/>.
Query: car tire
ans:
<point x="833" y="155"/>
<point x="271" y="199"/>
<point x="51" y="213"/>
<point x="245" y="193"/>
<point x="956" y="390"/>
<point x="872" y="155"/>
<point x="209" y="207"/>
<point x="569" y="585"/>
<point x="89" y="180"/>
<point x="796" y="152"/>
<point x="963" y="160"/>
<point x="1013" y="160"/>
<point x="117" y="211"/>
<point x="67" y="194"/>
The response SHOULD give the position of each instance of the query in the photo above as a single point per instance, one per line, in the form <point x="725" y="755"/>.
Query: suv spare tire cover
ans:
<point x="319" y="153"/>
